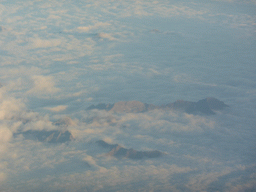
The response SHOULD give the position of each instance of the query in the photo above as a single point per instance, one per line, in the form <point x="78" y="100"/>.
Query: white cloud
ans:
<point x="9" y="106"/>
<point x="2" y="9"/>
<point x="5" y="138"/>
<point x="39" y="123"/>
<point x="239" y="1"/>
<point x="44" y="43"/>
<point x="93" y="27"/>
<point x="43" y="85"/>
<point x="201" y="182"/>
<point x="90" y="160"/>
<point x="5" y="135"/>
<point x="107" y="36"/>
<point x="19" y="72"/>
<point x="248" y="185"/>
<point x="57" y="108"/>
<point x="69" y="38"/>
<point x="133" y="177"/>
<point x="2" y="176"/>
<point x="162" y="8"/>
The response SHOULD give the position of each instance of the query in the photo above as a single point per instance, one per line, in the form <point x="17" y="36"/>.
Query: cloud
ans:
<point x="81" y="159"/>
<point x="10" y="107"/>
<point x="93" y="27"/>
<point x="57" y="108"/>
<point x="139" y="68"/>
<point x="2" y="9"/>
<point x="44" y="43"/>
<point x="90" y="160"/>
<point x="239" y="1"/>
<point x="161" y="8"/>
<point x="9" y="73"/>
<point x="187" y="79"/>
<point x="43" y="85"/>
<point x="2" y="176"/>
<point x="201" y="182"/>
<point x="128" y="178"/>
<point x="249" y="185"/>
<point x="5" y="135"/>
<point x="39" y="123"/>
<point x="107" y="36"/>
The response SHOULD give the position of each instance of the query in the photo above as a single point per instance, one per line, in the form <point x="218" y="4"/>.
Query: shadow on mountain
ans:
<point x="204" y="106"/>
<point x="101" y="106"/>
<point x="120" y="152"/>
<point x="53" y="136"/>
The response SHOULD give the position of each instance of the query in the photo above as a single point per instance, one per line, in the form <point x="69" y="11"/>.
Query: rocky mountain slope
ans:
<point x="53" y="136"/>
<point x="121" y="152"/>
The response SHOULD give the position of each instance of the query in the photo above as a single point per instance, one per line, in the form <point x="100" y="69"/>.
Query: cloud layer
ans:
<point x="60" y="57"/>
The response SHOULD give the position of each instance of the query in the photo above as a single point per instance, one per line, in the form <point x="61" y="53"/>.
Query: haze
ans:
<point x="127" y="95"/>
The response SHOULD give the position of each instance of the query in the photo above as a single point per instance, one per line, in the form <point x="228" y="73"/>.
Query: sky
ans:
<point x="58" y="57"/>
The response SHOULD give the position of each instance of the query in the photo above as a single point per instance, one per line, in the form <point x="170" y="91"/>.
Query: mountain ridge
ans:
<point x="205" y="106"/>
<point x="52" y="136"/>
<point x="120" y="152"/>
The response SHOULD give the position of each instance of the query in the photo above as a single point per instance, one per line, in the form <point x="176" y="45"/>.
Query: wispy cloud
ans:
<point x="43" y="85"/>
<point x="57" y="58"/>
<point x="93" y="27"/>
<point x="57" y="108"/>
<point x="43" y="43"/>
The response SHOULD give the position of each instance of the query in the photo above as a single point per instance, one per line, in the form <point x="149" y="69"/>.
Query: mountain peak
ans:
<point x="53" y="136"/>
<point x="120" y="152"/>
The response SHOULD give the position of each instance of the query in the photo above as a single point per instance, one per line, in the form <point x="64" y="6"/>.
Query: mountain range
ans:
<point x="205" y="106"/>
<point x="53" y="136"/>
<point x="120" y="152"/>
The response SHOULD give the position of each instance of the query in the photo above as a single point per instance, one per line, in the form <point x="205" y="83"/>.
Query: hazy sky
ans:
<point x="58" y="57"/>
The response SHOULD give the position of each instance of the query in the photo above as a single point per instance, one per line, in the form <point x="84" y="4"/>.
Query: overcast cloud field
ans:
<point x="108" y="95"/>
